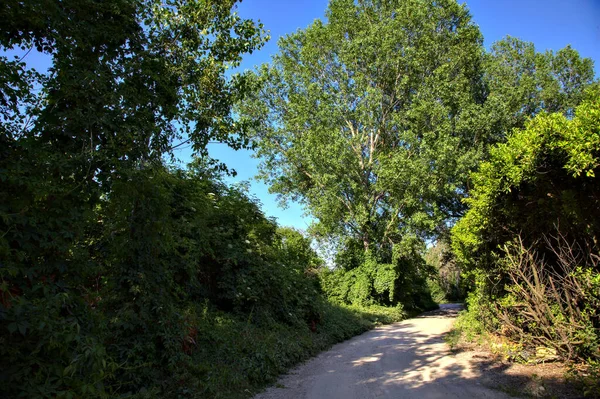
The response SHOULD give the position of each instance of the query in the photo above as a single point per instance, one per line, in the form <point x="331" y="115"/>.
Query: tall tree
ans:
<point x="521" y="83"/>
<point x="368" y="118"/>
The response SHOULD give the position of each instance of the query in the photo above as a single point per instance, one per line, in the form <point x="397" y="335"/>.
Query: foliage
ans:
<point x="476" y="323"/>
<point x="235" y="358"/>
<point x="541" y="177"/>
<point x="478" y="317"/>
<point x="446" y="283"/>
<point x="91" y="302"/>
<point x="531" y="286"/>
<point x="190" y="239"/>
<point x="171" y="240"/>
<point x="588" y="376"/>
<point x="522" y="83"/>
<point x="466" y="329"/>
<point x="123" y="277"/>
<point x="556" y="306"/>
<point x="368" y="120"/>
<point x="400" y="284"/>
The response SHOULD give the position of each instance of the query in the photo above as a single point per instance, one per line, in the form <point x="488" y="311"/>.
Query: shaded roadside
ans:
<point x="409" y="359"/>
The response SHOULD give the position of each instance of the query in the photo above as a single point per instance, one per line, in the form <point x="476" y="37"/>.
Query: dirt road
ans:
<point x="404" y="360"/>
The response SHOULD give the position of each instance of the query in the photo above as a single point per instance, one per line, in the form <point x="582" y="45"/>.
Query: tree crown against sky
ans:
<point x="368" y="118"/>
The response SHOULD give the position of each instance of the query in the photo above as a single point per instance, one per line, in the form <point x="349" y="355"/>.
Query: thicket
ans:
<point x="191" y="292"/>
<point x="530" y="237"/>
<point x="361" y="278"/>
<point x="188" y="291"/>
<point x="445" y="282"/>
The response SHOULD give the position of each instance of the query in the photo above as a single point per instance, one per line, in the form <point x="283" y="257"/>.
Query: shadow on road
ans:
<point x="406" y="360"/>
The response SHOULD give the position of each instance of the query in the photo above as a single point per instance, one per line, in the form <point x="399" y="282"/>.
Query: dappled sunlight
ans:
<point x="404" y="360"/>
<point x="368" y="359"/>
<point x="409" y="356"/>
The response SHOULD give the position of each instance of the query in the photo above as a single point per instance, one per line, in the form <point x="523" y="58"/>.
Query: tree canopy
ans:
<point x="521" y="83"/>
<point x="368" y="118"/>
<point x="122" y="275"/>
<point x="542" y="179"/>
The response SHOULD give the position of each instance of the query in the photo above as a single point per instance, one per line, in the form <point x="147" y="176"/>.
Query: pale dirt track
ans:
<point x="403" y="360"/>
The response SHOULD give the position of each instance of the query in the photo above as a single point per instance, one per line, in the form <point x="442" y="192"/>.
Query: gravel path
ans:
<point x="403" y="360"/>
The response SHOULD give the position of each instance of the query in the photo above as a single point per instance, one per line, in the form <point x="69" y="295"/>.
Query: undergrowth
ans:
<point x="468" y="330"/>
<point x="235" y="357"/>
<point x="587" y="375"/>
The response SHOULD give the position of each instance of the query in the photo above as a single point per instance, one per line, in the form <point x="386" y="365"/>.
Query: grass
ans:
<point x="235" y="358"/>
<point x="466" y="329"/>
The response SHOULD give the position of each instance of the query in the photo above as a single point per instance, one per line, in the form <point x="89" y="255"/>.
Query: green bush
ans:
<point x="529" y="239"/>
<point x="552" y="305"/>
<point x="399" y="278"/>
<point x="446" y="283"/>
<point x="195" y="294"/>
<point x="542" y="178"/>
<point x="234" y="357"/>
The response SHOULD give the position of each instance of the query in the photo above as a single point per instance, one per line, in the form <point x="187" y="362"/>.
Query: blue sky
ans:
<point x="550" y="25"/>
<point x="279" y="17"/>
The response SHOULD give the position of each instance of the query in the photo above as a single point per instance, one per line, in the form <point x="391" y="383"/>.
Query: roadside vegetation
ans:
<point x="530" y="243"/>
<point x="235" y="356"/>
<point x="432" y="167"/>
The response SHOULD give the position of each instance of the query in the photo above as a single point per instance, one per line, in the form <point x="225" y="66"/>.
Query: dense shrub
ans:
<point x="234" y="357"/>
<point x="544" y="176"/>
<point x="194" y="293"/>
<point x="400" y="281"/>
<point x="160" y="242"/>
<point x="95" y="270"/>
<point x="552" y="305"/>
<point x="530" y="237"/>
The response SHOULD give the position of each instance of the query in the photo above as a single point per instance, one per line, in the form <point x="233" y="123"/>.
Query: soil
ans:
<point x="542" y="380"/>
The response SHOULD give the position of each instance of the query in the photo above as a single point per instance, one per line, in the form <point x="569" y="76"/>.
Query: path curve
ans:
<point x="408" y="359"/>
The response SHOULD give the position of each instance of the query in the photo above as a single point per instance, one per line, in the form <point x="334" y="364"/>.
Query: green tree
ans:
<point x="521" y="83"/>
<point x="445" y="284"/>
<point x="542" y="179"/>
<point x="127" y="81"/>
<point x="366" y="118"/>
<point x="297" y="250"/>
